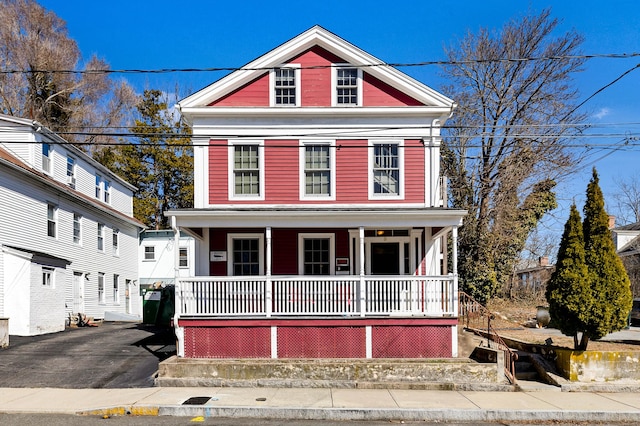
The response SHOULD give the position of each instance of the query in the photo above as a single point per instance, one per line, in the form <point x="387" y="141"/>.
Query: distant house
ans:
<point x="320" y="222"/>
<point x="627" y="241"/>
<point x="68" y="239"/>
<point x="157" y="254"/>
<point x="531" y="280"/>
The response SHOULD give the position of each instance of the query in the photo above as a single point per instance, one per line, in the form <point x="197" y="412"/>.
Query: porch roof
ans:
<point x="318" y="217"/>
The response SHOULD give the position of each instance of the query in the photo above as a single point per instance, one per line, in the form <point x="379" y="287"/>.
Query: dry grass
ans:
<point x="513" y="314"/>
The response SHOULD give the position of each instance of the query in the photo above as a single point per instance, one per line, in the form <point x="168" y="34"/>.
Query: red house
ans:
<point x="320" y="218"/>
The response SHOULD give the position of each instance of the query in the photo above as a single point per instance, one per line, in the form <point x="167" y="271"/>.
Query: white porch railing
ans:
<point x="266" y="296"/>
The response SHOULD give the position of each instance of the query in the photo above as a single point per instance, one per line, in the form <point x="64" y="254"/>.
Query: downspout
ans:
<point x="177" y="310"/>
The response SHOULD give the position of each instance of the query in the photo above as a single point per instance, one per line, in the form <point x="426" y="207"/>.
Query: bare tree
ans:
<point x="505" y="146"/>
<point x="37" y="58"/>
<point x="626" y="200"/>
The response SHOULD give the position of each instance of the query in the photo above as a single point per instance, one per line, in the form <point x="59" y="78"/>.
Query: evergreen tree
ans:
<point x="160" y="164"/>
<point x="568" y="291"/>
<point x="610" y="285"/>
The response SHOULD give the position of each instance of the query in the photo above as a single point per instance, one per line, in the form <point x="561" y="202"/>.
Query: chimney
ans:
<point x="612" y="221"/>
<point x="543" y="261"/>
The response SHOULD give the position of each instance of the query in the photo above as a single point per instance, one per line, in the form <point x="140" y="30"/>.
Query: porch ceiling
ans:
<point x="318" y="217"/>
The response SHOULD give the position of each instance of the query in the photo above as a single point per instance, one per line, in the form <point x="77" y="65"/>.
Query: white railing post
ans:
<point x="268" y="288"/>
<point x="363" y="287"/>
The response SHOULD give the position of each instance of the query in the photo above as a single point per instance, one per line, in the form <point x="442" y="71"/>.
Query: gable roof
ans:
<point x="9" y="160"/>
<point x="317" y="36"/>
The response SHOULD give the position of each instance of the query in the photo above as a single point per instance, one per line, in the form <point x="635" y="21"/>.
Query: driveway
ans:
<point x="112" y="355"/>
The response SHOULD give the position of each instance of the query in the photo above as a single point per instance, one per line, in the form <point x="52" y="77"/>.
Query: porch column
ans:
<point x="454" y="250"/>
<point x="177" y="310"/>
<point x="363" y="290"/>
<point x="267" y="284"/>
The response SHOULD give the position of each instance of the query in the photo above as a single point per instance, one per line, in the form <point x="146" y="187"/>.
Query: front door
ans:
<point x="385" y="258"/>
<point x="78" y="292"/>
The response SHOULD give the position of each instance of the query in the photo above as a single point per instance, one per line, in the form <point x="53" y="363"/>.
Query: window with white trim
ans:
<point x="318" y="167"/>
<point x="149" y="253"/>
<point x="100" y="237"/>
<point x="46" y="157"/>
<point x="246" y="166"/>
<point x="183" y="258"/>
<point x="246" y="253"/>
<point x="98" y="187"/>
<point x="116" y="241"/>
<point x="107" y="192"/>
<point x="285" y="86"/>
<point x="316" y="254"/>
<point x="77" y="228"/>
<point x="101" y="295"/>
<point x="347" y="86"/>
<point x="52" y="220"/>
<point x="47" y="276"/>
<point x="386" y="164"/>
<point x="116" y="288"/>
<point x="71" y="172"/>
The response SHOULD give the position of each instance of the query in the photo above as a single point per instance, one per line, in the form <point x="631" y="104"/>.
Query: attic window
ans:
<point x="285" y="90"/>
<point x="347" y="86"/>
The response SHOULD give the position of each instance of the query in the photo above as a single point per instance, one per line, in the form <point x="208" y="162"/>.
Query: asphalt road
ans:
<point x="112" y="355"/>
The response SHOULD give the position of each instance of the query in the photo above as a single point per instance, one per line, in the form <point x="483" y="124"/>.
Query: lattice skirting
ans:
<point x="381" y="338"/>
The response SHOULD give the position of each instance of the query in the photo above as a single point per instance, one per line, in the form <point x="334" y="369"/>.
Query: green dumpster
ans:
<point x="151" y="306"/>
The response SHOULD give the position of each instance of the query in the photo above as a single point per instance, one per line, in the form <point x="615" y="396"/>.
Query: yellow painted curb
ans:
<point x="122" y="411"/>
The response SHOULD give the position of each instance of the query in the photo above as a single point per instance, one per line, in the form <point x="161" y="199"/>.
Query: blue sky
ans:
<point x="209" y="33"/>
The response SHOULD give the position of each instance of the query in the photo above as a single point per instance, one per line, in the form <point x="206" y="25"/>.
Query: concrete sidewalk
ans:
<point x="330" y="404"/>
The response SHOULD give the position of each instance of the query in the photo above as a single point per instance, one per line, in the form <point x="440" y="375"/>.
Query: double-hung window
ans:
<point x="116" y="241"/>
<point x="77" y="228"/>
<point x="183" y="261"/>
<point x="284" y="86"/>
<point x="46" y="158"/>
<point x="246" y="166"/>
<point x="317" y="164"/>
<point x="98" y="187"/>
<point x="386" y="161"/>
<point x="52" y="220"/>
<point x="101" y="295"/>
<point x="100" y="237"/>
<point x="107" y="192"/>
<point x="71" y="172"/>
<point x="149" y="253"/>
<point x="116" y="288"/>
<point x="347" y="83"/>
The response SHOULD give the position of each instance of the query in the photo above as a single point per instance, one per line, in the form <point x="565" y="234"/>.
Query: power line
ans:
<point x="374" y="65"/>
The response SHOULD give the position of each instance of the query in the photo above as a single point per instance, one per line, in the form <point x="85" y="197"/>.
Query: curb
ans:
<point x="368" y="414"/>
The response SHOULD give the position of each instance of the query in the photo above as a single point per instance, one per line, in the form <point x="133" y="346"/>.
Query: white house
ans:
<point x="157" y="256"/>
<point x="68" y="238"/>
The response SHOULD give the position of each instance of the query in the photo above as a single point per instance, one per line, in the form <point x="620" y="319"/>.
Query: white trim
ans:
<point x="332" y="250"/>
<point x="332" y="170"/>
<point x="247" y="236"/>
<point x="231" y="175"/>
<point x="334" y="87"/>
<point x="402" y="173"/>
<point x="317" y="36"/>
<point x="368" y="338"/>
<point x="272" y="86"/>
<point x="274" y="341"/>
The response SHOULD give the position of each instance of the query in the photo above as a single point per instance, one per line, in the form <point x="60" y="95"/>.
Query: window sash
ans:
<point x="246" y="256"/>
<point x="386" y="169"/>
<point x="116" y="288"/>
<point x="98" y="187"/>
<point x="317" y="170"/>
<point x="71" y="167"/>
<point x="285" y="86"/>
<point x="77" y="228"/>
<point x="149" y="253"/>
<point x="100" y="237"/>
<point x="101" y="295"/>
<point x="107" y="192"/>
<point x="116" y="235"/>
<point x="51" y="220"/>
<point x="47" y="277"/>
<point x="246" y="170"/>
<point x="347" y="86"/>
<point x="183" y="260"/>
<point x="46" y="157"/>
<point x="317" y="256"/>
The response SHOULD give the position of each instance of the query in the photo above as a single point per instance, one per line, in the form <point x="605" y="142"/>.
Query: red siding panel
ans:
<point x="316" y="82"/>
<point x="414" y="170"/>
<point x="281" y="171"/>
<point x="352" y="171"/>
<point x="254" y="94"/>
<point x="218" y="171"/>
<point x="375" y="93"/>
